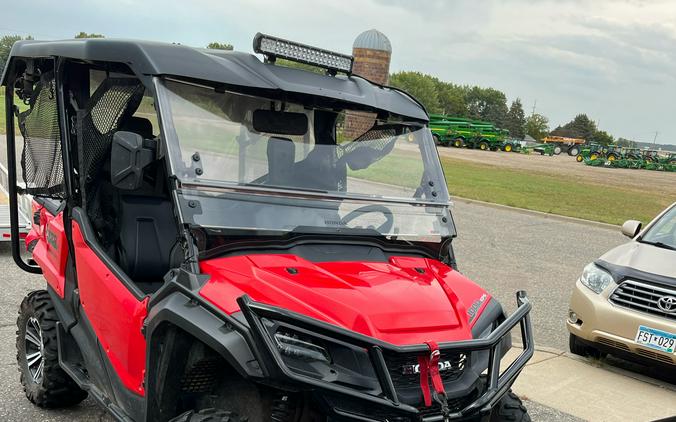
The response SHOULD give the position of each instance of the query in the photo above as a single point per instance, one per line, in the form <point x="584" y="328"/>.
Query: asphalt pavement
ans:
<point x="504" y="250"/>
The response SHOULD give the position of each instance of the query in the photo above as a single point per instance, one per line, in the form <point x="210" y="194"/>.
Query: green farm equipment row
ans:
<point x="460" y="132"/>
<point x="616" y="157"/>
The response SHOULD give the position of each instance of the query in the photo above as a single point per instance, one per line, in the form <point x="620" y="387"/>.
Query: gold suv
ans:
<point x="624" y="303"/>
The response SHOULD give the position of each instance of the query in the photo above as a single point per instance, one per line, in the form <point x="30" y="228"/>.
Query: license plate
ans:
<point x="656" y="339"/>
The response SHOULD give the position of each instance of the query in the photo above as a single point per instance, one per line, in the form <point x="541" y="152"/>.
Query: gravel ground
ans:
<point x="505" y="251"/>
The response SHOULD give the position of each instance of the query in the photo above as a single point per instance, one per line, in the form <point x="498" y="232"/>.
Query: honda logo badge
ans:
<point x="415" y="369"/>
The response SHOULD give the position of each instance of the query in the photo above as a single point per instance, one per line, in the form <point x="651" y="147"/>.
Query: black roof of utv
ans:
<point x="236" y="69"/>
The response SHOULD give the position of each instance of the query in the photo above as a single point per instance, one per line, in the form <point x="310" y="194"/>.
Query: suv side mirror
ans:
<point x="130" y="154"/>
<point x="630" y="228"/>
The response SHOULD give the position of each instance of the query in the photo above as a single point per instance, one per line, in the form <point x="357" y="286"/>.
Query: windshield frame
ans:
<point x="428" y="151"/>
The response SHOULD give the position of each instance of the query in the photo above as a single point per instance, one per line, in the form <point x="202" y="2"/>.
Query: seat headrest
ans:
<point x="281" y="157"/>
<point x="138" y="125"/>
<point x="281" y="149"/>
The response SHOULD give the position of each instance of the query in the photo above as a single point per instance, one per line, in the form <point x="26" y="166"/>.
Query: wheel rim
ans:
<point x="483" y="146"/>
<point x="594" y="156"/>
<point x="508" y="148"/>
<point x="34" y="349"/>
<point x="458" y="143"/>
<point x="611" y="158"/>
<point x="579" y="158"/>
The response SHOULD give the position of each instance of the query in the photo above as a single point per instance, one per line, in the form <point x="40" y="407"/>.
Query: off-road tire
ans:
<point x="54" y="388"/>
<point x="510" y="408"/>
<point x="579" y="158"/>
<point x="579" y="348"/>
<point x="208" y="415"/>
<point x="458" y="143"/>
<point x="483" y="145"/>
<point x="437" y="139"/>
<point x="557" y="150"/>
<point x="573" y="151"/>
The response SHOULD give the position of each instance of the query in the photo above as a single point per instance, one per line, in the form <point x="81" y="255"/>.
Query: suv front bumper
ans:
<point x="475" y="392"/>
<point x="613" y="328"/>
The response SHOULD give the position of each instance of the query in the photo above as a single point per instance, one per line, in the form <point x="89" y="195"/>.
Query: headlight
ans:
<point x="291" y="345"/>
<point x="317" y="356"/>
<point x="595" y="278"/>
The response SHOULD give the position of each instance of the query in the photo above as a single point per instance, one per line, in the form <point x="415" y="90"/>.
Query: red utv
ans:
<point x="228" y="239"/>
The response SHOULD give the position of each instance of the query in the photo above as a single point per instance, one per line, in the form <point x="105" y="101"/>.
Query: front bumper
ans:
<point x="612" y="327"/>
<point x="476" y="392"/>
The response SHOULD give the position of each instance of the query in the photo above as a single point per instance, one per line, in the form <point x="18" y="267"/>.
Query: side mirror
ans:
<point x="630" y="228"/>
<point x="129" y="156"/>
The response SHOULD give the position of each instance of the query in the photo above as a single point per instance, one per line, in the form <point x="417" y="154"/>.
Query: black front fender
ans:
<point x="212" y="330"/>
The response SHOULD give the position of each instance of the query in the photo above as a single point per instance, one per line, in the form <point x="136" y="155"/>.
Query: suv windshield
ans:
<point x="663" y="232"/>
<point x="265" y="164"/>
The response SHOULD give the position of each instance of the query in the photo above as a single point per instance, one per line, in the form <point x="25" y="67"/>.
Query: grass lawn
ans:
<point x="551" y="194"/>
<point x="18" y="102"/>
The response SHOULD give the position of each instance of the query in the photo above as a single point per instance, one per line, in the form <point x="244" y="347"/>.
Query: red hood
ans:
<point x="403" y="301"/>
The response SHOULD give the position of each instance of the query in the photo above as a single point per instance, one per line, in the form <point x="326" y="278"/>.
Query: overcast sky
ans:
<point x="614" y="60"/>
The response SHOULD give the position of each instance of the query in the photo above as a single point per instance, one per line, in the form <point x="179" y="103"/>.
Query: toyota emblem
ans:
<point x="667" y="304"/>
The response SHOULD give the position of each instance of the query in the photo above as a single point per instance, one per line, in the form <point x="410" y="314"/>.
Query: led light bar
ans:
<point x="273" y="47"/>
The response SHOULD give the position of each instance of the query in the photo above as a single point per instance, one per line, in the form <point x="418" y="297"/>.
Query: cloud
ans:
<point x="615" y="60"/>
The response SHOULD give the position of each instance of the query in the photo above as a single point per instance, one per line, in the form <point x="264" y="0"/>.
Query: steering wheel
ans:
<point x="383" y="228"/>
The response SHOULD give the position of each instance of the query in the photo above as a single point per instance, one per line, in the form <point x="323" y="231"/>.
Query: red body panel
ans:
<point x="391" y="301"/>
<point x="36" y="229"/>
<point x="115" y="314"/>
<point x="51" y="249"/>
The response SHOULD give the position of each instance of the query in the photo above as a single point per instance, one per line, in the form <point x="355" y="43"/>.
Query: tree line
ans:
<point x="439" y="96"/>
<point x="490" y="104"/>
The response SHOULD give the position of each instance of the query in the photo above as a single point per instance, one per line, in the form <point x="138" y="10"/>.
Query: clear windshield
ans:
<point x="345" y="158"/>
<point x="664" y="230"/>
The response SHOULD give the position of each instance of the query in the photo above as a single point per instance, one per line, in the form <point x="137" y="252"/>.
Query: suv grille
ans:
<point x="642" y="297"/>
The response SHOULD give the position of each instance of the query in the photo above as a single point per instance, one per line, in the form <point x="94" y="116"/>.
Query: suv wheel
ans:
<point x="208" y="415"/>
<point x="43" y="380"/>
<point x="510" y="408"/>
<point x="577" y="347"/>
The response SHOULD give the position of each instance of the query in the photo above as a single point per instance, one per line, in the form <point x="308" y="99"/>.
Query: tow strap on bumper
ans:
<point x="429" y="368"/>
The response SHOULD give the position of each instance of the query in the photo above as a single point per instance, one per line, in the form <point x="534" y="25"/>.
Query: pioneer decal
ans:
<point x="51" y="239"/>
<point x="472" y="311"/>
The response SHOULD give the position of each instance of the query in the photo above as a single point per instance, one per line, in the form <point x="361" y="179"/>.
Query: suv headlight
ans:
<point x="595" y="278"/>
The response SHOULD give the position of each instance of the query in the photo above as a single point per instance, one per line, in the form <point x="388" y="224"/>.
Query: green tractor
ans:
<point x="632" y="154"/>
<point x="511" y="144"/>
<point x="486" y="136"/>
<point x="612" y="153"/>
<point x="650" y="155"/>
<point x="592" y="152"/>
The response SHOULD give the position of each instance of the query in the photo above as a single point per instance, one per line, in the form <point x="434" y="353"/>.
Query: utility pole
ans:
<point x="534" y="104"/>
<point x="655" y="138"/>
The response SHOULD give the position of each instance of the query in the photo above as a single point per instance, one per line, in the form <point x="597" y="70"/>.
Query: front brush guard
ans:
<point x="497" y="383"/>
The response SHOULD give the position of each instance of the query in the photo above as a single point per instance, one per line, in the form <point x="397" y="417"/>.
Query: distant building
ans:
<point x="372" y="53"/>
